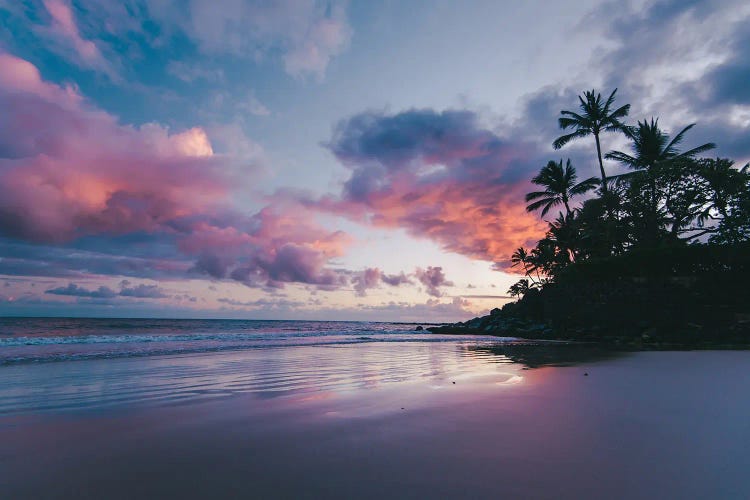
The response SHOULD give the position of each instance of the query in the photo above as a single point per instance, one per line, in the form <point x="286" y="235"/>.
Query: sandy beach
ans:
<point x="303" y="422"/>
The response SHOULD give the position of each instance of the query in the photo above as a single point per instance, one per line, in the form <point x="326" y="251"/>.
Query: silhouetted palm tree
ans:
<point x="545" y="257"/>
<point x="560" y="186"/>
<point x="728" y="192"/>
<point x="653" y="152"/>
<point x="519" y="288"/>
<point x="651" y="146"/>
<point x="564" y="231"/>
<point x="520" y="256"/>
<point x="724" y="181"/>
<point x="595" y="117"/>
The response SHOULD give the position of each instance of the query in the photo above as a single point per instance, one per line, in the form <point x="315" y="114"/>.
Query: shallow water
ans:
<point x="270" y="372"/>
<point x="425" y="416"/>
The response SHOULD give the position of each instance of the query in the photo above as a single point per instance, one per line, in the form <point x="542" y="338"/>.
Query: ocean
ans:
<point x="36" y="340"/>
<point x="71" y="364"/>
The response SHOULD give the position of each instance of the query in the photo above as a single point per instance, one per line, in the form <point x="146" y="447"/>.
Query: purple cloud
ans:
<point x="143" y="292"/>
<point x="433" y="278"/>
<point x="395" y="279"/>
<point x="369" y="278"/>
<point x="74" y="290"/>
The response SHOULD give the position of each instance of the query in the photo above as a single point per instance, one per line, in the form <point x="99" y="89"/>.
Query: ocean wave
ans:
<point x="56" y="349"/>
<point x="192" y="337"/>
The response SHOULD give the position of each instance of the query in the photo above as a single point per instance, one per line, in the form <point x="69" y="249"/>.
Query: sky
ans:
<point x="304" y="159"/>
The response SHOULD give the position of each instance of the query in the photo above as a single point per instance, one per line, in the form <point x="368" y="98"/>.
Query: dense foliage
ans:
<point x="668" y="198"/>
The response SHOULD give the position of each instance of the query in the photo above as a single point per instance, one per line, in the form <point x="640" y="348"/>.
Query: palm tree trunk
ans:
<point x="601" y="163"/>
<point x="567" y="208"/>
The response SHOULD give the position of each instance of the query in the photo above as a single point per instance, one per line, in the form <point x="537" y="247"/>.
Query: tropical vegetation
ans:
<point x="662" y="196"/>
<point x="653" y="252"/>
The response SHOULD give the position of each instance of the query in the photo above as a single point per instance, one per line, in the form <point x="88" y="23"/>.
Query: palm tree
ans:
<point x="651" y="147"/>
<point x="545" y="257"/>
<point x="560" y="186"/>
<point x="653" y="152"/>
<point x="729" y="197"/>
<point x="594" y="118"/>
<point x="564" y="231"/>
<point x="724" y="181"/>
<point x="520" y="256"/>
<point x="523" y="258"/>
<point x="519" y="288"/>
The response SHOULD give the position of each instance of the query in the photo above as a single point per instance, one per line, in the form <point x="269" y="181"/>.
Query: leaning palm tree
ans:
<point x="523" y="258"/>
<point x="595" y="117"/>
<point x="560" y="186"/>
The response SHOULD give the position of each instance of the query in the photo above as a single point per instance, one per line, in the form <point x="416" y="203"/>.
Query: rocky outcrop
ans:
<point x="496" y="324"/>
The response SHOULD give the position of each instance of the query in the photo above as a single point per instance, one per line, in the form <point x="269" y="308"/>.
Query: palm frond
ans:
<point x="623" y="178"/>
<point x="700" y="149"/>
<point x="537" y="194"/>
<point x="571" y="119"/>
<point x="564" y="139"/>
<point x="678" y="138"/>
<point x="621" y="157"/>
<point x="585" y="186"/>
<point x="610" y="99"/>
<point x="547" y="203"/>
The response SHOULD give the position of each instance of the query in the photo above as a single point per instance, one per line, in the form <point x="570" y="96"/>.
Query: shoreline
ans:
<point x="502" y="430"/>
<point x="542" y="332"/>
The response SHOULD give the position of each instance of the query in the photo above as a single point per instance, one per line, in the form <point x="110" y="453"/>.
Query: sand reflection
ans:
<point x="308" y="373"/>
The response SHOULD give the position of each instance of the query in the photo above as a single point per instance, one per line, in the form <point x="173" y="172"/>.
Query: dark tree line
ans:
<point x="669" y="196"/>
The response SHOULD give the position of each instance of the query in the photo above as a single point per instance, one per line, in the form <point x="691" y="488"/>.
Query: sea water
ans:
<point x="51" y="364"/>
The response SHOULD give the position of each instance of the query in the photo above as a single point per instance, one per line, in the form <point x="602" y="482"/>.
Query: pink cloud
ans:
<point x="439" y="175"/>
<point x="67" y="170"/>
<point x="371" y="277"/>
<point x="277" y="245"/>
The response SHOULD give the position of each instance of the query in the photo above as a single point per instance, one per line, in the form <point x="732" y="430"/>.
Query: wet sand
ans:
<point x="646" y="425"/>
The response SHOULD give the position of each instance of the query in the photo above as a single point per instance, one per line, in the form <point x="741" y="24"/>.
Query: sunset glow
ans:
<point x="307" y="159"/>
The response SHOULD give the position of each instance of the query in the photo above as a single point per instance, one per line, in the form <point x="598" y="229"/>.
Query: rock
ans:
<point x="419" y="328"/>
<point x="649" y="332"/>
